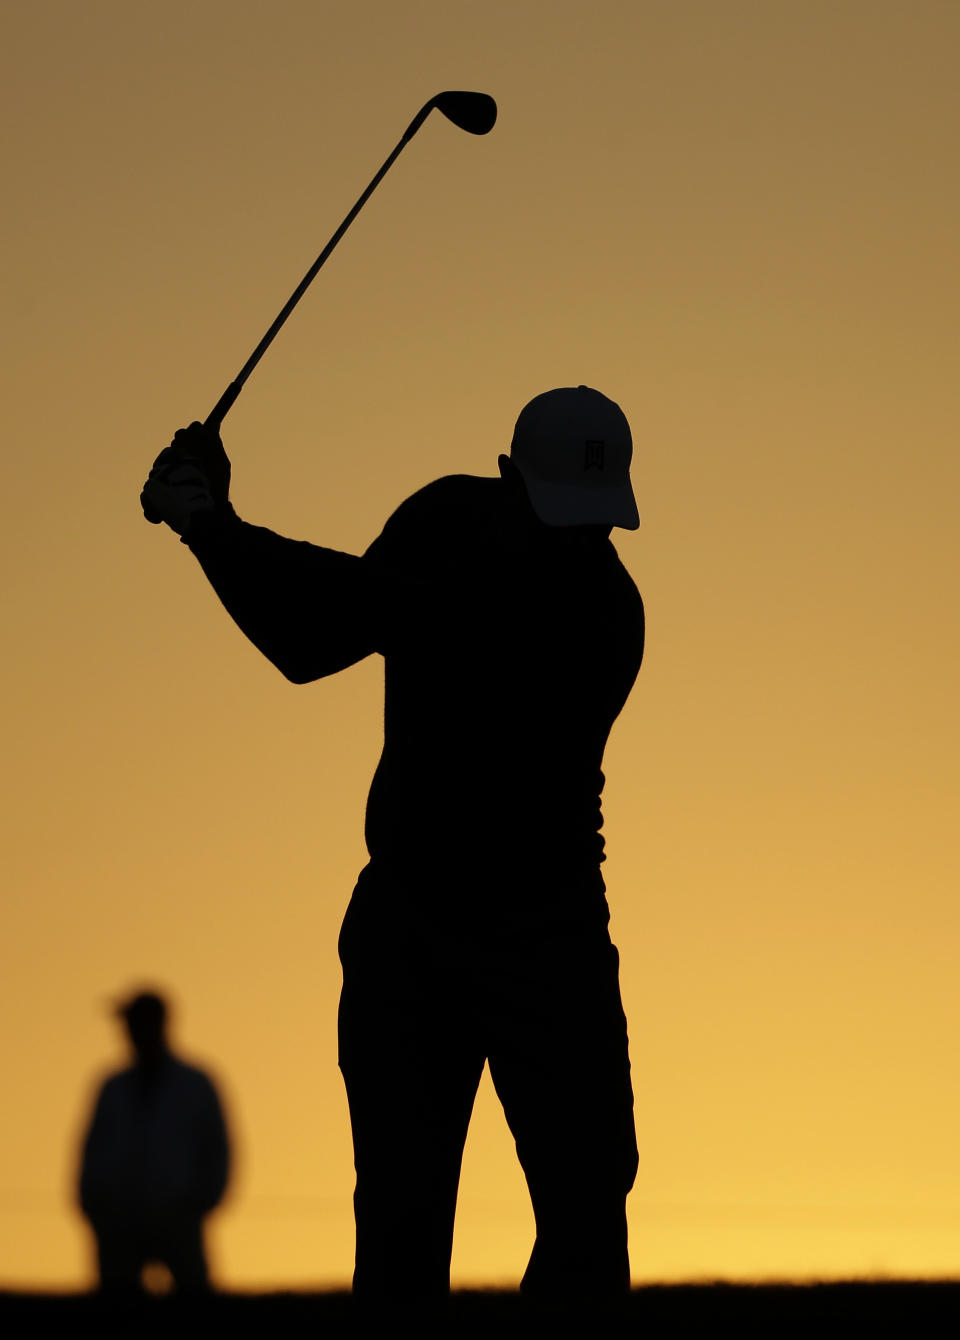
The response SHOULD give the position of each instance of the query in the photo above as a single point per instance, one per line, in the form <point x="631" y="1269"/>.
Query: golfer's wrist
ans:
<point x="207" y="524"/>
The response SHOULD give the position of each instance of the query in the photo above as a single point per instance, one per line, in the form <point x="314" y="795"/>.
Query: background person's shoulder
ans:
<point x="191" y="1074"/>
<point x="109" y="1084"/>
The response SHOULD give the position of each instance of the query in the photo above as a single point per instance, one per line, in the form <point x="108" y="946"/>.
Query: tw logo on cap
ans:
<point x="593" y="454"/>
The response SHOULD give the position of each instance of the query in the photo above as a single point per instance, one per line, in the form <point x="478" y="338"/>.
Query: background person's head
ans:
<point x="145" y="1018"/>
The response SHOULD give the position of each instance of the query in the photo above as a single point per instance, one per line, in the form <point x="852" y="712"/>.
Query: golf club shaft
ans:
<point x="216" y="416"/>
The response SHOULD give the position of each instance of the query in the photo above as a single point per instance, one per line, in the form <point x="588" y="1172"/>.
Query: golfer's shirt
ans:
<point x="510" y="649"/>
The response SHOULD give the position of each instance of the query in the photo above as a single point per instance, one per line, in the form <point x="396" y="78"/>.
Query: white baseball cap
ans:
<point x="573" y="448"/>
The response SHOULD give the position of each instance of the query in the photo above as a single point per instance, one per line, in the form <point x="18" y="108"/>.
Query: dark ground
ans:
<point x="911" y="1309"/>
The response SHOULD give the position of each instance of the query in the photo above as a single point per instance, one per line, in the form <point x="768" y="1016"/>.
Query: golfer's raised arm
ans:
<point x="311" y="611"/>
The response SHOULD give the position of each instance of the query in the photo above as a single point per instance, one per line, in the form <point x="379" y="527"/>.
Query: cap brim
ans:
<point x="575" y="505"/>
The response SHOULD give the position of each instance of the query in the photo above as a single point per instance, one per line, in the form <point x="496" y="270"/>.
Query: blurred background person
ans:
<point x="155" y="1159"/>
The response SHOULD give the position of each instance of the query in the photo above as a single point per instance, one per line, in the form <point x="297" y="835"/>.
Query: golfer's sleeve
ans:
<point x="311" y="611"/>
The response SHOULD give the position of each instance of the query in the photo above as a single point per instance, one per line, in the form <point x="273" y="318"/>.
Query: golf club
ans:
<point x="473" y="112"/>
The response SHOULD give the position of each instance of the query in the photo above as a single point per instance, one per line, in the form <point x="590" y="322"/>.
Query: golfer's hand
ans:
<point x="175" y="492"/>
<point x="191" y="475"/>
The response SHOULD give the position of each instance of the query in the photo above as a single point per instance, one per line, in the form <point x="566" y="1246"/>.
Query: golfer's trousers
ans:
<point x="421" y="1010"/>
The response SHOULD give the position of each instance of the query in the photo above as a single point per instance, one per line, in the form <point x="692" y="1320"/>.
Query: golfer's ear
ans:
<point x="513" y="479"/>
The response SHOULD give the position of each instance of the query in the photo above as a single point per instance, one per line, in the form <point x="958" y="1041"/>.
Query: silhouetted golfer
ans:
<point x="512" y="635"/>
<point x="155" y="1160"/>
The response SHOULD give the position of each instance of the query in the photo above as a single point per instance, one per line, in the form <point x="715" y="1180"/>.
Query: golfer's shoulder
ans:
<point x="457" y="495"/>
<point x="444" y="507"/>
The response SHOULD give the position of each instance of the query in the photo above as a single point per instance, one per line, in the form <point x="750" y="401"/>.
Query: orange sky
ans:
<point x="737" y="218"/>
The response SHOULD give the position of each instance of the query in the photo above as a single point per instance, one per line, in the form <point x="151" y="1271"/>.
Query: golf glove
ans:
<point x="191" y="475"/>
<point x="174" y="493"/>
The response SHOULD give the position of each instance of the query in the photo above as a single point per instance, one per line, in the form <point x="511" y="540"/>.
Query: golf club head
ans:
<point x="474" y="112"/>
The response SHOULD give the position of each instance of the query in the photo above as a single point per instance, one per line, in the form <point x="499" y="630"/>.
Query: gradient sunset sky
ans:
<point x="737" y="218"/>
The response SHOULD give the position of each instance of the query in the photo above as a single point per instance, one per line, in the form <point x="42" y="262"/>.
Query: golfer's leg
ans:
<point x="408" y="1137"/>
<point x="411" y="1066"/>
<point x="562" y="1072"/>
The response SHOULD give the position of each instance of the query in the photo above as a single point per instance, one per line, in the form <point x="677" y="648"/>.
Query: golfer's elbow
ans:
<point x="294" y="671"/>
<point x="296" y="675"/>
<point x="301" y="660"/>
<point x="296" y="659"/>
<point x="298" y="671"/>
